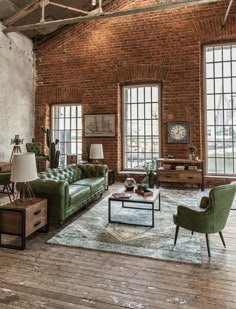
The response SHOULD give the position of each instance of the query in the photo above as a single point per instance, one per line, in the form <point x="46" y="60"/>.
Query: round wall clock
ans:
<point x="178" y="132"/>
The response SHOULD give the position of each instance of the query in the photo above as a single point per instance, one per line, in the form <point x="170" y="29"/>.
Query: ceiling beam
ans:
<point x="227" y="12"/>
<point x="104" y="15"/>
<point x="33" y="5"/>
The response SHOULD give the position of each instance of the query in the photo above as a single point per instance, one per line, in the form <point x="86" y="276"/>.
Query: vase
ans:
<point x="191" y="156"/>
<point x="151" y="179"/>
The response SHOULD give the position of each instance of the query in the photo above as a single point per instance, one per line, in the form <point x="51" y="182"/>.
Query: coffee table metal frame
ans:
<point x="135" y="198"/>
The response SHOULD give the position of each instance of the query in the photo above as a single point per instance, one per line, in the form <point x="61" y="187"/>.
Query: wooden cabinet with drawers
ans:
<point x="180" y="171"/>
<point x="22" y="220"/>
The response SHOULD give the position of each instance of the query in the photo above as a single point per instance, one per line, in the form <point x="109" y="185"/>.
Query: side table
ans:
<point x="22" y="220"/>
<point x="109" y="178"/>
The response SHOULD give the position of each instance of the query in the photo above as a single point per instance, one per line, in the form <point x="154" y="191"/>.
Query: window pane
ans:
<point x="147" y="94"/>
<point x="218" y="70"/>
<point x="141" y="94"/>
<point x="210" y="101"/>
<point x="209" y="54"/>
<point x="227" y="69"/>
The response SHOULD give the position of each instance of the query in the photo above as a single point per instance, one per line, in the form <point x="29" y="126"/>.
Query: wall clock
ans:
<point x="178" y="132"/>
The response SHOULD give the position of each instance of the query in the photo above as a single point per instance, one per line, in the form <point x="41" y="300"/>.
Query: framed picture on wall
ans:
<point x="178" y="132"/>
<point x="99" y="125"/>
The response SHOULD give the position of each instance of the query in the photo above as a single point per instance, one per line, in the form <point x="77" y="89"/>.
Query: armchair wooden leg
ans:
<point x="222" y="239"/>
<point x="208" y="245"/>
<point x="176" y="234"/>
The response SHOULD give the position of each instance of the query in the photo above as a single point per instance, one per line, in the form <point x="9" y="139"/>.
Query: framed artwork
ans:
<point x="102" y="125"/>
<point x="178" y="132"/>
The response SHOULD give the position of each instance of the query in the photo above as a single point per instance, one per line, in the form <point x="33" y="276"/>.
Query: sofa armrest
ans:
<point x="50" y="187"/>
<point x="57" y="194"/>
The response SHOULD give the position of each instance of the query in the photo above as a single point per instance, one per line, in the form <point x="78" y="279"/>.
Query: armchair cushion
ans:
<point x="204" y="202"/>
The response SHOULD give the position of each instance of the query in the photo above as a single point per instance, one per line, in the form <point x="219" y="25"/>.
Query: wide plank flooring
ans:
<point x="52" y="276"/>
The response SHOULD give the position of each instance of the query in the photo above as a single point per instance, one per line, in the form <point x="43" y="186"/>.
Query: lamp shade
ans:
<point x="24" y="167"/>
<point x="96" y="152"/>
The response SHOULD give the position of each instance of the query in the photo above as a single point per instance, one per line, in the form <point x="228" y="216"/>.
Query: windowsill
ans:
<point x="220" y="176"/>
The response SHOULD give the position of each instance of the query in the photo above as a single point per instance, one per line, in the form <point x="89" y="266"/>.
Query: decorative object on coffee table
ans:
<point x="144" y="192"/>
<point x="129" y="184"/>
<point x="23" y="171"/>
<point x="150" y="176"/>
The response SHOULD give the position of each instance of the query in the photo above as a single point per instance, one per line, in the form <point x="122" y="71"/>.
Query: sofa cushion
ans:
<point x="78" y="193"/>
<point x="94" y="183"/>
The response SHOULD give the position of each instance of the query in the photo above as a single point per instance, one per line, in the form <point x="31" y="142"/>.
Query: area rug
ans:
<point x="92" y="230"/>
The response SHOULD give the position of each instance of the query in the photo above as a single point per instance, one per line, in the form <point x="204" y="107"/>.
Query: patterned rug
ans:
<point x="92" y="230"/>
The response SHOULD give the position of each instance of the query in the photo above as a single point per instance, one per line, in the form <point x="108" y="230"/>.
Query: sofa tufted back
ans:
<point x="92" y="170"/>
<point x="68" y="173"/>
<point x="74" y="172"/>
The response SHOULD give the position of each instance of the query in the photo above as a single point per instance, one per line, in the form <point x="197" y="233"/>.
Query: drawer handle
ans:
<point x="37" y="212"/>
<point x="189" y="177"/>
<point x="168" y="176"/>
<point x="37" y="223"/>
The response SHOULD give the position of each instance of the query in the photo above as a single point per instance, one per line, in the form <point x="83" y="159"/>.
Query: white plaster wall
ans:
<point x="16" y="91"/>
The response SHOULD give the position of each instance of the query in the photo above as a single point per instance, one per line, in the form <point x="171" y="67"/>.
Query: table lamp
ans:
<point x="96" y="152"/>
<point x="23" y="170"/>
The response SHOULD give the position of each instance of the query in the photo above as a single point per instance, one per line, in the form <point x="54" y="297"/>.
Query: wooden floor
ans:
<point x="52" y="276"/>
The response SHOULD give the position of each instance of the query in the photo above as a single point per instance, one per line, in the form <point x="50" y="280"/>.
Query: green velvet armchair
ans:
<point x="210" y="217"/>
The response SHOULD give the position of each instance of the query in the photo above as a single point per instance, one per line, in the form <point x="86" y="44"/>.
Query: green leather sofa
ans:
<point x="69" y="188"/>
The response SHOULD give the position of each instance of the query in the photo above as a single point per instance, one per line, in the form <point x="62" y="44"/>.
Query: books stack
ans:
<point x="121" y="195"/>
<point x="180" y="167"/>
<point x="192" y="167"/>
<point x="166" y="166"/>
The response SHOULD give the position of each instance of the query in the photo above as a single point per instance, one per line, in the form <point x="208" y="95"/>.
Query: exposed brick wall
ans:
<point x="88" y="63"/>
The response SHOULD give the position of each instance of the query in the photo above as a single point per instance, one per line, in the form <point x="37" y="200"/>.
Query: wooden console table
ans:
<point x="180" y="171"/>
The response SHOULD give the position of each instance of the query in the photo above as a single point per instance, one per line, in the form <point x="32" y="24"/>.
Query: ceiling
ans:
<point x="10" y="7"/>
<point x="40" y="19"/>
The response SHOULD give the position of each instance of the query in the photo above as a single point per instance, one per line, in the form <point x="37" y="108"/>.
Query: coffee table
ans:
<point x="147" y="203"/>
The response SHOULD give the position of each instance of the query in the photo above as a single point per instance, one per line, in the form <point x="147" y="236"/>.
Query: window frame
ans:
<point x="79" y="155"/>
<point x="206" y="109"/>
<point x="131" y="86"/>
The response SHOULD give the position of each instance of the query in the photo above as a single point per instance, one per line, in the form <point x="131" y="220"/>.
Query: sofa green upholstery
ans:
<point x="69" y="188"/>
<point x="210" y="217"/>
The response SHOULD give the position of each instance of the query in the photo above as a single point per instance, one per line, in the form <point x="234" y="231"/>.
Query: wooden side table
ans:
<point x="22" y="220"/>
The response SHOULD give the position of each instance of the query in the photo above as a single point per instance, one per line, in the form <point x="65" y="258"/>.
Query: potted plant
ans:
<point x="192" y="152"/>
<point x="150" y="167"/>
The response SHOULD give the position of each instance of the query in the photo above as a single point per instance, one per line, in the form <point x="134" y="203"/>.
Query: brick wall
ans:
<point x="88" y="63"/>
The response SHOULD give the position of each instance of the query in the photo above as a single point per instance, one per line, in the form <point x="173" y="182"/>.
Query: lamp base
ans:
<point x="24" y="195"/>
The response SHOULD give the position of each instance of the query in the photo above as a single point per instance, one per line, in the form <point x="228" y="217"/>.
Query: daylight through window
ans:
<point x="141" y="125"/>
<point x="220" y="68"/>
<point x="67" y="127"/>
